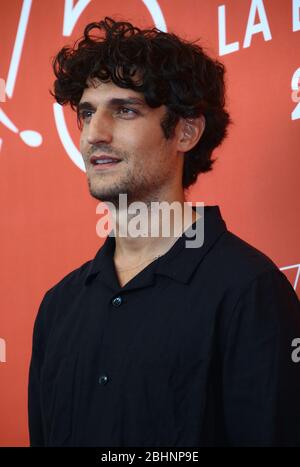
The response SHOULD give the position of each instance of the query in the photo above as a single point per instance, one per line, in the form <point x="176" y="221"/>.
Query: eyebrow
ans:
<point x="114" y="102"/>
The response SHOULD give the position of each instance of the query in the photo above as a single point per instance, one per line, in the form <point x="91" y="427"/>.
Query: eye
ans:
<point x="125" y="111"/>
<point x="85" y="115"/>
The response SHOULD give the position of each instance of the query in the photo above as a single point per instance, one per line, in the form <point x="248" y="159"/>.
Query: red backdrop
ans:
<point x="48" y="217"/>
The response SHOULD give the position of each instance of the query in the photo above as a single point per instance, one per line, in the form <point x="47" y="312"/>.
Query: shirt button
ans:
<point x="117" y="301"/>
<point x="103" y="379"/>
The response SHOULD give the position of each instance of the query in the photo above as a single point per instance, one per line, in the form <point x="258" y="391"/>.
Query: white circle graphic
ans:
<point x="59" y="118"/>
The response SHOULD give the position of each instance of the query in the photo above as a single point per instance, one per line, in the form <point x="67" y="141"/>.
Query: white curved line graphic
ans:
<point x="19" y="42"/>
<point x="156" y="13"/>
<point x="69" y="23"/>
<point x="72" y="14"/>
<point x="65" y="137"/>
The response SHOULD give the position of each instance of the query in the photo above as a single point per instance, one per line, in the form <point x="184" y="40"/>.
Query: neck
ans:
<point x="161" y="229"/>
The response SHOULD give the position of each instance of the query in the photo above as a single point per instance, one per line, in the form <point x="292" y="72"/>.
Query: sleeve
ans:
<point x="35" y="419"/>
<point x="261" y="380"/>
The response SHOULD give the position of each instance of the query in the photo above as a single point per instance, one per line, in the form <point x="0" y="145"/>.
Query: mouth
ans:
<point x="104" y="162"/>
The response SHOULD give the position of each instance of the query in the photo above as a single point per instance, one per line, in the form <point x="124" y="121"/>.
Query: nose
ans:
<point x="99" y="128"/>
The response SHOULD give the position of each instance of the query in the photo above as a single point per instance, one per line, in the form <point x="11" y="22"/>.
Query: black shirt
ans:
<point x="194" y="351"/>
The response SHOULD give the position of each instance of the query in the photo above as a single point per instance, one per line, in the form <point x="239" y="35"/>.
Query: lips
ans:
<point x="103" y="159"/>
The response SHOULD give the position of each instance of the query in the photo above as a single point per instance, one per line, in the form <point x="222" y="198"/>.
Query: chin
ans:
<point x="105" y="196"/>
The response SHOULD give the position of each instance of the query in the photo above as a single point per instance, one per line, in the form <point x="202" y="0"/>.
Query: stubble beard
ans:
<point x="136" y="187"/>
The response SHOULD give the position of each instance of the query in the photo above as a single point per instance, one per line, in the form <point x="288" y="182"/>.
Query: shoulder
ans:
<point x="234" y="266"/>
<point x="72" y="280"/>
<point x="256" y="293"/>
<point x="246" y="299"/>
<point x="241" y="279"/>
<point x="59" y="295"/>
<point x="249" y="265"/>
<point x="239" y="260"/>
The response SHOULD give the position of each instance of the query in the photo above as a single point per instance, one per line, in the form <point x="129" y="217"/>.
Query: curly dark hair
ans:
<point x="171" y="72"/>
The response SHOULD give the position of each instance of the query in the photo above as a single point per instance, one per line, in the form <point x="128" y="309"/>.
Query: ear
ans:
<point x="191" y="130"/>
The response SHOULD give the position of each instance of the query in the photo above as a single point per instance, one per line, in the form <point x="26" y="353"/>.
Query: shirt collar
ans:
<point x="179" y="262"/>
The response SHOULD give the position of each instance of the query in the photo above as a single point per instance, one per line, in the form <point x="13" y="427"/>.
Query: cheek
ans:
<point x="81" y="145"/>
<point x="145" y="140"/>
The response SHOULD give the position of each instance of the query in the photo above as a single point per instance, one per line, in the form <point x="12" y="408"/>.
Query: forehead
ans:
<point x="101" y="92"/>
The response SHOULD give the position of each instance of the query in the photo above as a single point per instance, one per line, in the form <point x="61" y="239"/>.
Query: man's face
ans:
<point x="117" y="122"/>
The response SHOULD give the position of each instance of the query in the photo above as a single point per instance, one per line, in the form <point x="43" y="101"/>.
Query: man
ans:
<point x="153" y="343"/>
